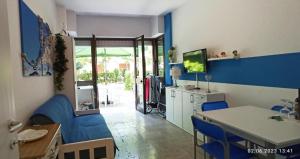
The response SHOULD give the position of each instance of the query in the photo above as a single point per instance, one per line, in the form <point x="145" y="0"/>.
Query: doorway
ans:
<point x="108" y="69"/>
<point x="115" y="70"/>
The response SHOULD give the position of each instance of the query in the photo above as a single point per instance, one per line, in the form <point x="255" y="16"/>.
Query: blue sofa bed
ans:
<point x="74" y="128"/>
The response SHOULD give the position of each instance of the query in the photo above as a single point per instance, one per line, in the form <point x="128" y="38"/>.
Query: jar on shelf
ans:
<point x="172" y="54"/>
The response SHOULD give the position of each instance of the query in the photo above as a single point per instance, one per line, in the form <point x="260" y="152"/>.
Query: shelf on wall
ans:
<point x="175" y="63"/>
<point x="223" y="58"/>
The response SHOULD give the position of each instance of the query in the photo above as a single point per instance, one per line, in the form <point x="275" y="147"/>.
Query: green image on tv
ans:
<point x="194" y="61"/>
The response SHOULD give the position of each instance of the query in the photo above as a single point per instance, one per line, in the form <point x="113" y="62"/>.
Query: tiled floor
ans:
<point x="141" y="136"/>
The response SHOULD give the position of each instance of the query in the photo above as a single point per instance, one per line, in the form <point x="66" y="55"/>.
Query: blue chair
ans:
<point x="277" y="108"/>
<point x="209" y="106"/>
<point x="219" y="147"/>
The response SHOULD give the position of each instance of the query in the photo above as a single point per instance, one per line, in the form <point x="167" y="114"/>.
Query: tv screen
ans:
<point x="195" y="61"/>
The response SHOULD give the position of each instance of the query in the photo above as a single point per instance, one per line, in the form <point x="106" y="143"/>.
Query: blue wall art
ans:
<point x="35" y="43"/>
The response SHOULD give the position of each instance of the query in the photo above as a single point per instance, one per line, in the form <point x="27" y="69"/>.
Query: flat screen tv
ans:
<point x="195" y="61"/>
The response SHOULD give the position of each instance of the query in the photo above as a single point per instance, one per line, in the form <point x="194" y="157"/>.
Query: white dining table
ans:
<point x="254" y="124"/>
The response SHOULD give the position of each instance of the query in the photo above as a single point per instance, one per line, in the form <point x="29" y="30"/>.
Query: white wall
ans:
<point x="114" y="26"/>
<point x="157" y="25"/>
<point x="72" y="22"/>
<point x="29" y="92"/>
<point x="253" y="27"/>
<point x="61" y="13"/>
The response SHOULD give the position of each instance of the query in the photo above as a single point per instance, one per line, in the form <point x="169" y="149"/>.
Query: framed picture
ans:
<point x="35" y="43"/>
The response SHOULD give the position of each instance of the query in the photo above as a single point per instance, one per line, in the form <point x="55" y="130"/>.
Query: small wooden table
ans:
<point x="44" y="148"/>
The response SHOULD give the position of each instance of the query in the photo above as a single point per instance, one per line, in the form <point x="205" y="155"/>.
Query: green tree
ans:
<point x="85" y="76"/>
<point x="128" y="82"/>
<point x="116" y="73"/>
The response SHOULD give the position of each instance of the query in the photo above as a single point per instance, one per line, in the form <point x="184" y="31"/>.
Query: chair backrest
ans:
<point x="279" y="107"/>
<point x="208" y="129"/>
<point x="207" y="106"/>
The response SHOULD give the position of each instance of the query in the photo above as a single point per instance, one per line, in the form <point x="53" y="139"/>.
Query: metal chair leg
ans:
<point x="204" y="141"/>
<point x="195" y="143"/>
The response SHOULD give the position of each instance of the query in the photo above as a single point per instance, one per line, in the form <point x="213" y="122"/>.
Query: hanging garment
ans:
<point x="147" y="87"/>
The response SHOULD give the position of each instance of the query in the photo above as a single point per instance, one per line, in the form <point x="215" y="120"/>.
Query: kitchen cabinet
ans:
<point x="181" y="104"/>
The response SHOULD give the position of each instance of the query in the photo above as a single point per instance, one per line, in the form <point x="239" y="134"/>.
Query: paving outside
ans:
<point x="117" y="94"/>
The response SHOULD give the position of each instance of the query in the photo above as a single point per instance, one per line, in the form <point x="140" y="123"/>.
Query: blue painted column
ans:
<point x="168" y="43"/>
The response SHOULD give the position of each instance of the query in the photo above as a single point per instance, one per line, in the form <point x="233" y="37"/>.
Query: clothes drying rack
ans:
<point x="156" y="104"/>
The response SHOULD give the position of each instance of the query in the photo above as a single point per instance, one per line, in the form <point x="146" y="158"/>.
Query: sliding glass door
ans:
<point x="140" y="74"/>
<point x="86" y="92"/>
<point x="160" y="64"/>
<point x="110" y="68"/>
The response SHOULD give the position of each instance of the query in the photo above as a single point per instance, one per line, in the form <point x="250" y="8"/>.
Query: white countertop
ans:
<point x="255" y="122"/>
<point x="196" y="91"/>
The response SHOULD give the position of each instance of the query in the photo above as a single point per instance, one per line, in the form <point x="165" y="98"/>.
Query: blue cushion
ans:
<point x="88" y="127"/>
<point x="73" y="128"/>
<point x="216" y="149"/>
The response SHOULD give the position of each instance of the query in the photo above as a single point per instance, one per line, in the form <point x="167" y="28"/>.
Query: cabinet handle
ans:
<point x="174" y="94"/>
<point x="192" y="98"/>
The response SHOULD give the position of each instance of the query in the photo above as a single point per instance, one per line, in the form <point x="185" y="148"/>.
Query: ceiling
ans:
<point x="121" y="7"/>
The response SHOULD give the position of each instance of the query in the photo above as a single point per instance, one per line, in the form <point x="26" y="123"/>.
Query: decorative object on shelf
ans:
<point x="36" y="48"/>
<point x="223" y="54"/>
<point x="219" y="55"/>
<point x="60" y="63"/>
<point x="28" y="135"/>
<point x="172" y="54"/>
<point x="189" y="87"/>
<point x="176" y="73"/>
<point x="208" y="79"/>
<point x="236" y="55"/>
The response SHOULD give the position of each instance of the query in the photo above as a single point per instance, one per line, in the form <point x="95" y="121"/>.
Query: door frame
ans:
<point x="155" y="55"/>
<point x="7" y="49"/>
<point x="94" y="70"/>
<point x="143" y="75"/>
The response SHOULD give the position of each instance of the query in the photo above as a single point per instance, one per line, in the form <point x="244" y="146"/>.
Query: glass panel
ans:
<point x="83" y="63"/>
<point x="149" y="58"/>
<point x="84" y="84"/>
<point x="160" y="52"/>
<point x="139" y="78"/>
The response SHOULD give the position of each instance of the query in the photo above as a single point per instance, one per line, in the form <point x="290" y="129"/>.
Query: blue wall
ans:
<point x="282" y="70"/>
<point x="167" y="45"/>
